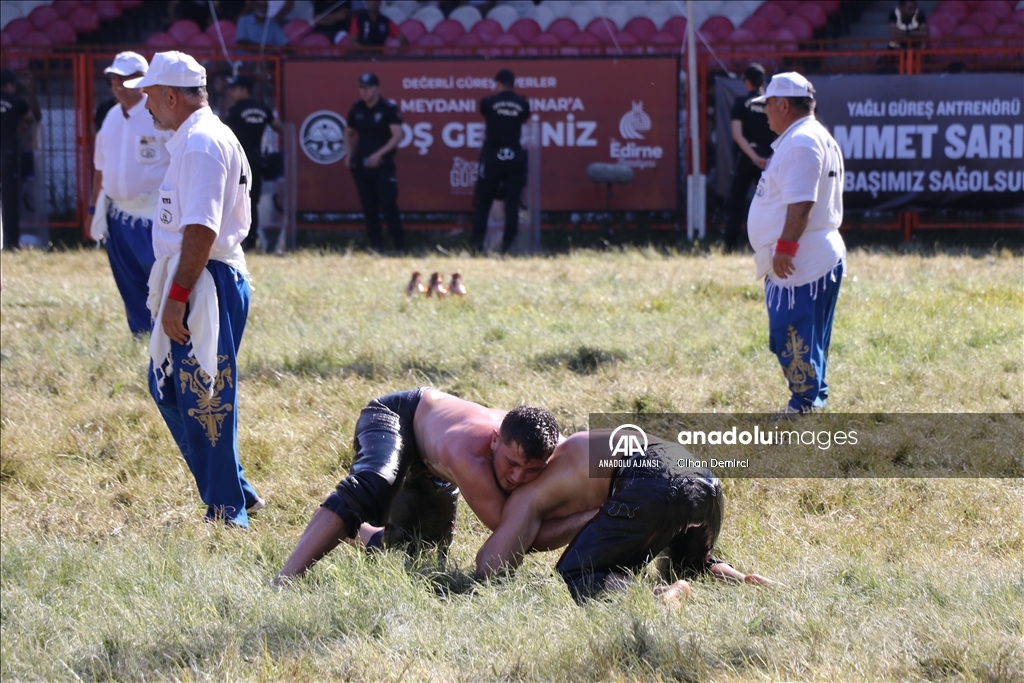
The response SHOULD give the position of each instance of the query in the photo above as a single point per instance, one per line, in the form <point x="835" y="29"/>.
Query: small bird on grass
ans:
<point x="415" y="285"/>
<point x="455" y="287"/>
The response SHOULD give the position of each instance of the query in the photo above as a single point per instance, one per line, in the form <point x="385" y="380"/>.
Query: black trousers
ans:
<point x="744" y="174"/>
<point x="389" y="485"/>
<point x="649" y="510"/>
<point x="378" y="194"/>
<point x="505" y="167"/>
<point x="10" y="177"/>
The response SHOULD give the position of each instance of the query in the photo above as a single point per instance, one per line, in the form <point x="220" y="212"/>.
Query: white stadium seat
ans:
<point x="504" y="15"/>
<point x="618" y="14"/>
<point x="658" y="14"/>
<point x="582" y="15"/>
<point x="395" y="14"/>
<point x="543" y="15"/>
<point x="561" y="8"/>
<point x="466" y="15"/>
<point x="8" y="13"/>
<point x="429" y="17"/>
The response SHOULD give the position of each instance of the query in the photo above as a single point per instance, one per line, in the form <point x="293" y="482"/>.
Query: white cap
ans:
<point x="789" y="84"/>
<point x="171" y="68"/>
<point x="128" y="64"/>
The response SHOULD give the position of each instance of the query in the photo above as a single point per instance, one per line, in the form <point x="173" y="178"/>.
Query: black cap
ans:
<point x="505" y="77"/>
<point x="7" y="76"/>
<point x="241" y="82"/>
<point x="368" y="79"/>
<point x="755" y="74"/>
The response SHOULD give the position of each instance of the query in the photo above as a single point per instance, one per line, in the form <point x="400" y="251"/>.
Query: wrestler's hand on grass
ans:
<point x="782" y="265"/>
<point x="674" y="594"/>
<point x="173" y="321"/>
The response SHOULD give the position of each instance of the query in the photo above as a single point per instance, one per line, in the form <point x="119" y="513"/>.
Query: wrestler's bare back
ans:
<point x="453" y="435"/>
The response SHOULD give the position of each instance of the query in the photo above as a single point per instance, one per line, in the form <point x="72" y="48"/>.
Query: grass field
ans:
<point x="108" y="572"/>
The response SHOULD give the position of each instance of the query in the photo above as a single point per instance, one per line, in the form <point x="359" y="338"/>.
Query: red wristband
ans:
<point x="179" y="293"/>
<point x="786" y="247"/>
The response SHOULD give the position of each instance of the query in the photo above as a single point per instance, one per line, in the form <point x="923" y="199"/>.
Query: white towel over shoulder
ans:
<point x="203" y="320"/>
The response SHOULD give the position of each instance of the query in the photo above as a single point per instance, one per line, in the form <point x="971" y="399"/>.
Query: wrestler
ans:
<point x="414" y="451"/>
<point x="634" y="512"/>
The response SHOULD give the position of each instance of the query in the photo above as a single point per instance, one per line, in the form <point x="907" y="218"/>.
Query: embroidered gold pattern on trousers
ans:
<point x="798" y="370"/>
<point x="209" y="412"/>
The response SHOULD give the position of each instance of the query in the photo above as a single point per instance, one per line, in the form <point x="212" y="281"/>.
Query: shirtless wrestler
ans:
<point x="414" y="451"/>
<point x="635" y="513"/>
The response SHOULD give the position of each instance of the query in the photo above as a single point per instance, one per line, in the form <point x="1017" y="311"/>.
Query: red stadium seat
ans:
<point x="1000" y="8"/>
<point x="772" y="12"/>
<point x="19" y="28"/>
<point x="741" y="35"/>
<point x="61" y="32"/>
<point x="65" y="7"/>
<point x="759" y="26"/>
<point x="525" y="30"/>
<point x="934" y="31"/>
<point x="5" y="39"/>
<point x="602" y="29"/>
<point x="956" y="8"/>
<point x="830" y="6"/>
<point x="183" y="29"/>
<point x="1018" y="17"/>
<point x="986" y="20"/>
<point x="789" y="5"/>
<point x="316" y="40"/>
<point x="628" y="43"/>
<point x="161" y="41"/>
<point x="448" y="30"/>
<point x="800" y="27"/>
<point x="200" y="41"/>
<point x="812" y="13"/>
<point x="84" y="19"/>
<point x="36" y="39"/>
<point x="545" y="40"/>
<point x="43" y="16"/>
<point x="505" y="40"/>
<point x="583" y="44"/>
<point x="969" y="31"/>
<point x="947" y="23"/>
<point x="563" y="28"/>
<point x="296" y="30"/>
<point x="676" y="26"/>
<point x="430" y="40"/>
<point x="108" y="10"/>
<point x="487" y="29"/>
<point x="468" y="40"/>
<point x="641" y="27"/>
<point x="665" y="38"/>
<point x="412" y="29"/>
<point x="227" y="29"/>
<point x="718" y="26"/>
<point x="784" y="39"/>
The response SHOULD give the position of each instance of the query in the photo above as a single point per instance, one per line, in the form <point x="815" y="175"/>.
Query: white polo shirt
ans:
<point x="131" y="154"/>
<point x="807" y="166"/>
<point x="206" y="184"/>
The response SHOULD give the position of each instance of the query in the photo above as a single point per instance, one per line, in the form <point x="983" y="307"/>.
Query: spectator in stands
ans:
<point x="257" y="28"/>
<point x="371" y="28"/>
<point x="331" y="18"/>
<point x="196" y="10"/>
<point x="906" y="21"/>
<point x="14" y="111"/>
<point x="753" y="139"/>
<point x="248" y="119"/>
<point x="130" y="159"/>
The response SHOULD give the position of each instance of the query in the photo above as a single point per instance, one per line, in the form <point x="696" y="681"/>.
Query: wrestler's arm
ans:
<point x="520" y="522"/>
<point x="554" y="533"/>
<point x="482" y="493"/>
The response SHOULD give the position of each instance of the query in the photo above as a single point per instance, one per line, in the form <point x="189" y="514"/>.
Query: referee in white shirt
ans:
<point x="199" y="286"/>
<point x="793" y="226"/>
<point x="130" y="162"/>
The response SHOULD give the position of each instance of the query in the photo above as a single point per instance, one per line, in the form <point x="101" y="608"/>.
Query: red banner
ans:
<point x="616" y="111"/>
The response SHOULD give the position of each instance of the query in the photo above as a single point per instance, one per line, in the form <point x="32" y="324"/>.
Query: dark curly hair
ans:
<point x="534" y="429"/>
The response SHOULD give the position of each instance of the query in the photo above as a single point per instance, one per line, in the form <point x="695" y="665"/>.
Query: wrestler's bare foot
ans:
<point x="758" y="580"/>
<point x="673" y="595"/>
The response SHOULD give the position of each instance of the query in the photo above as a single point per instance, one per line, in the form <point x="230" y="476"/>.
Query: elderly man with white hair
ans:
<point x="130" y="160"/>
<point x="199" y="286"/>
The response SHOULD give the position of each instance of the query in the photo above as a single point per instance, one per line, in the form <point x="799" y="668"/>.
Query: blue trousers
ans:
<point x="130" y="250"/>
<point x="799" y="333"/>
<point x="206" y="429"/>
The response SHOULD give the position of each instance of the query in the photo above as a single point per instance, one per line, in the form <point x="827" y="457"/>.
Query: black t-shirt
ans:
<point x="248" y="119"/>
<point x="915" y="21"/>
<point x="12" y="110"/>
<point x="373" y="124"/>
<point x="755" y="123"/>
<point x="505" y="113"/>
<point x="370" y="31"/>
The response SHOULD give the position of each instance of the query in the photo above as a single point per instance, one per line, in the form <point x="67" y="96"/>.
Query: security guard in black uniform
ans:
<point x="502" y="159"/>
<point x="13" y="110"/>
<point x="378" y="125"/>
<point x="248" y="119"/>
<point x="753" y="138"/>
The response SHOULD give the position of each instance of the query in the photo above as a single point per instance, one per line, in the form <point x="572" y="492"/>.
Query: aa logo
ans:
<point x="630" y="441"/>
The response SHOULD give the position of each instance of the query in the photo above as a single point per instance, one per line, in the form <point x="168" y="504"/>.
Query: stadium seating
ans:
<point x="466" y="15"/>
<point x="641" y="27"/>
<point x="43" y="16"/>
<point x="84" y="19"/>
<point x="525" y="29"/>
<point x="61" y="32"/>
<point x="563" y="28"/>
<point x="412" y="30"/>
<point x="487" y="29"/>
<point x="504" y="15"/>
<point x="448" y="30"/>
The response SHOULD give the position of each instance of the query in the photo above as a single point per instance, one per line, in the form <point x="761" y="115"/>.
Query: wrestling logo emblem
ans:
<point x="322" y="137"/>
